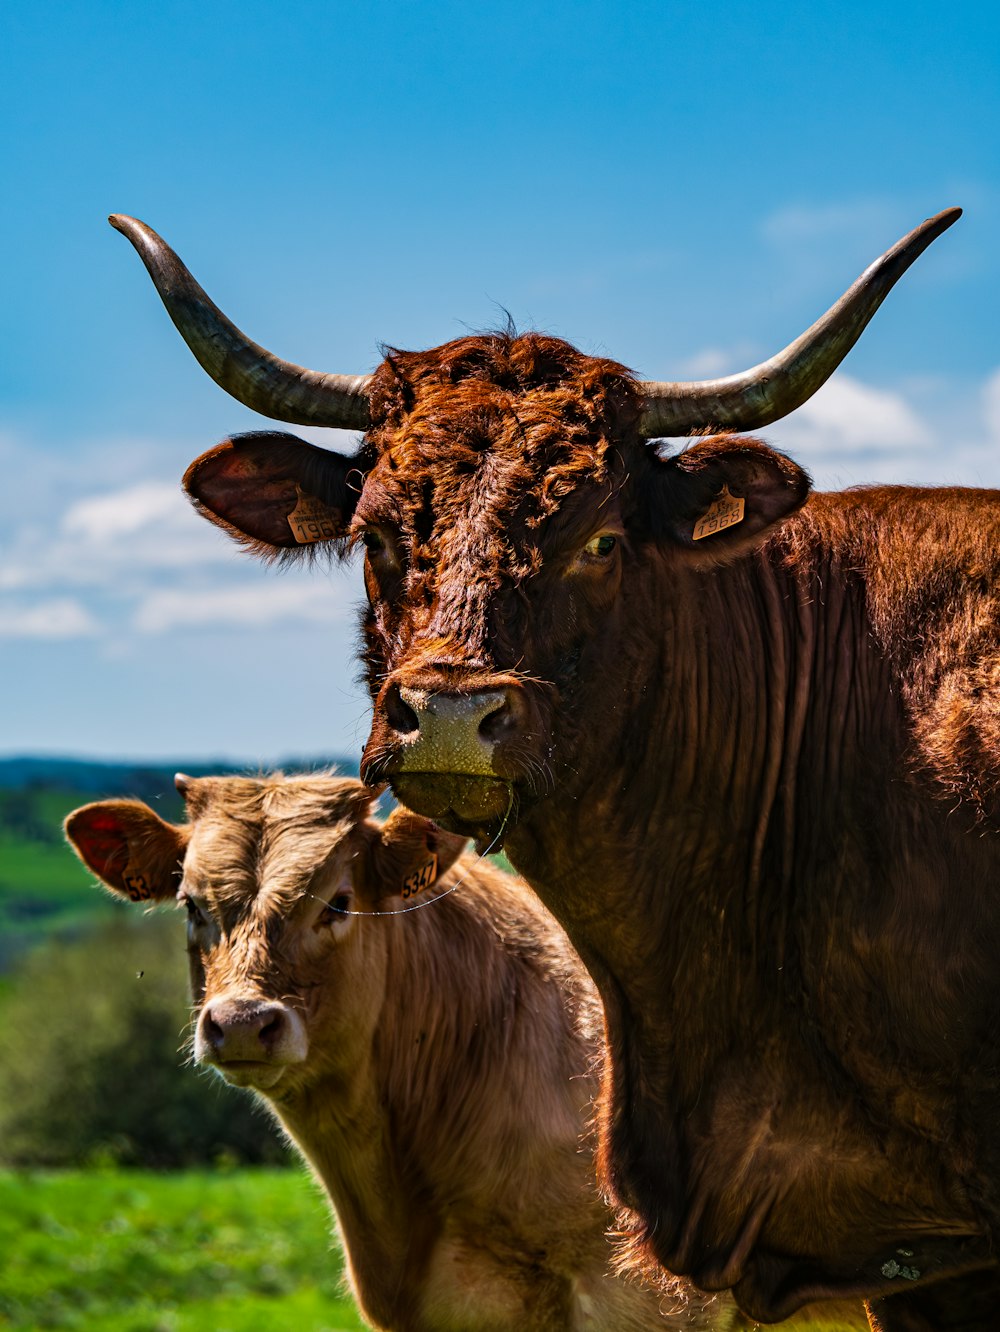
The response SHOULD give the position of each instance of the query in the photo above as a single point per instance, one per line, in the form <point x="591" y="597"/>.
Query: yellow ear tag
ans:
<point x="420" y="879"/>
<point x="725" y="511"/>
<point x="312" y="520"/>
<point x="136" y="885"/>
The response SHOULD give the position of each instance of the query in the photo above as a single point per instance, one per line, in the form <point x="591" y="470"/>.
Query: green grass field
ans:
<point x="133" y="1251"/>
<point x="197" y="1251"/>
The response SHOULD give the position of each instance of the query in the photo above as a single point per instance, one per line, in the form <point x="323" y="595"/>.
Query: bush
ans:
<point x="93" y="1037"/>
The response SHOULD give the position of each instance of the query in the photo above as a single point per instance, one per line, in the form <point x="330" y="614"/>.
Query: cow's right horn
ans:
<point x="258" y="379"/>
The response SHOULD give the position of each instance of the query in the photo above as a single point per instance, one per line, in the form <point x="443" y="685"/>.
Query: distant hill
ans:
<point x="100" y="777"/>
<point x="43" y="887"/>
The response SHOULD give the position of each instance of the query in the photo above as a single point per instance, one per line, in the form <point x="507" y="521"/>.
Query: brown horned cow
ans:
<point x="435" y="1066"/>
<point x="742" y="741"/>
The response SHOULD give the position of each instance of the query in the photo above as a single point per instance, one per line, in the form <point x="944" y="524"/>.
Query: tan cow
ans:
<point x="435" y="1066"/>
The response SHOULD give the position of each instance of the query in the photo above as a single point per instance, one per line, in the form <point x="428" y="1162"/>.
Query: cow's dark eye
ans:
<point x="600" y="547"/>
<point x="373" y="541"/>
<point x="338" y="908"/>
<point x="195" y="914"/>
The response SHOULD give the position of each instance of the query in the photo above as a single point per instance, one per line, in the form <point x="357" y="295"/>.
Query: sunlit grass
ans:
<point x="134" y="1251"/>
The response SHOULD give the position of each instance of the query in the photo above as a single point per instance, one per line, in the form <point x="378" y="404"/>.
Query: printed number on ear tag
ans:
<point x="311" y="519"/>
<point x="725" y="511"/>
<point x="420" y="879"/>
<point x="136" y="885"/>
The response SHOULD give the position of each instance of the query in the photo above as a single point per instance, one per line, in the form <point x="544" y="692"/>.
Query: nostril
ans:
<point x="400" y="715"/>
<point x="497" y="723"/>
<point x="214" y="1034"/>
<point x="271" y="1030"/>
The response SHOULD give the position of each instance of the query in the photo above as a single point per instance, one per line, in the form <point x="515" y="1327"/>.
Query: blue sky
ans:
<point x="683" y="187"/>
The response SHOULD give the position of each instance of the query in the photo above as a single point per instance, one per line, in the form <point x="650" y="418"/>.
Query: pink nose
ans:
<point x="239" y="1030"/>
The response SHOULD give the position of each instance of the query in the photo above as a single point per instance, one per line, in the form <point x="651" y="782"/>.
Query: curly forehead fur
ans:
<point x="525" y="403"/>
<point x="275" y="828"/>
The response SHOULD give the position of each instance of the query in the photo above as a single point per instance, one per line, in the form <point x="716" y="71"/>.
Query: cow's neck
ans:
<point x="381" y="1132"/>
<point x="340" y="1125"/>
<point x="672" y="857"/>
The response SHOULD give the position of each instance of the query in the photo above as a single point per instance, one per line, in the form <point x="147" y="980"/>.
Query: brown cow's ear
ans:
<point x="275" y="493"/>
<point x="130" y="849"/>
<point x="720" y="497"/>
<point x="412" y="854"/>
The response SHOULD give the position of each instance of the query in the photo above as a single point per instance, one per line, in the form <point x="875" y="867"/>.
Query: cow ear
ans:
<point x="412" y="853"/>
<point x="274" y="493"/>
<point x="719" y="498"/>
<point x="130" y="849"/>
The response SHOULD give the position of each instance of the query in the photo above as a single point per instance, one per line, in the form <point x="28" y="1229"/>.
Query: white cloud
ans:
<point x="102" y="518"/>
<point x="60" y="618"/>
<point x="846" y="416"/>
<point x="257" y="606"/>
<point x="930" y="430"/>
<point x="134" y="559"/>
<point x="111" y="537"/>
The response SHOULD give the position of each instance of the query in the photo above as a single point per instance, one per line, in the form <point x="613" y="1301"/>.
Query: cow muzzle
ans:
<point x="453" y="733"/>
<point x="442" y="750"/>
<point x="251" y="1042"/>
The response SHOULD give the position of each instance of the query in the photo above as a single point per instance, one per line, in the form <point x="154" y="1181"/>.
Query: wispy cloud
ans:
<point x="136" y="559"/>
<point x="847" y="417"/>
<point x="103" y="518"/>
<point x="925" y="431"/>
<point x="711" y="362"/>
<point x="226" y="607"/>
<point x="55" y="619"/>
<point x="851" y="433"/>
<point x="991" y="407"/>
<point x="796" y="223"/>
<point x="114" y="536"/>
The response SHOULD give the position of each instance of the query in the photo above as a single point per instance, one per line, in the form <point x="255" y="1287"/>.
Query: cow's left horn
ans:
<point x="776" y="387"/>
<point x="254" y="376"/>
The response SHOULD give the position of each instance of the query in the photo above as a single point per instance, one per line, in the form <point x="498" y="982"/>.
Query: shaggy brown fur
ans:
<point x="754" y="776"/>
<point x="435" y="1068"/>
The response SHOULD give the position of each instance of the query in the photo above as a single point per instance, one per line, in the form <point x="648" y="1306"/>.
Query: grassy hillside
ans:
<point x="43" y="887"/>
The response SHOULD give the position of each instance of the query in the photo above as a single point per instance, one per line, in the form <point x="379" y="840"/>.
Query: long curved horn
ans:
<point x="776" y="387"/>
<point x="259" y="380"/>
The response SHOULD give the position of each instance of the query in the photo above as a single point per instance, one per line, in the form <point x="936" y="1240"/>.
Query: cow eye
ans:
<point x="338" y="908"/>
<point x="195" y="914"/>
<point x="372" y="540"/>
<point x="600" y="547"/>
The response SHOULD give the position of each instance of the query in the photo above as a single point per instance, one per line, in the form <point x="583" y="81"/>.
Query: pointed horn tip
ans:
<point x="945" y="218"/>
<point x="130" y="227"/>
<point x="182" y="781"/>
